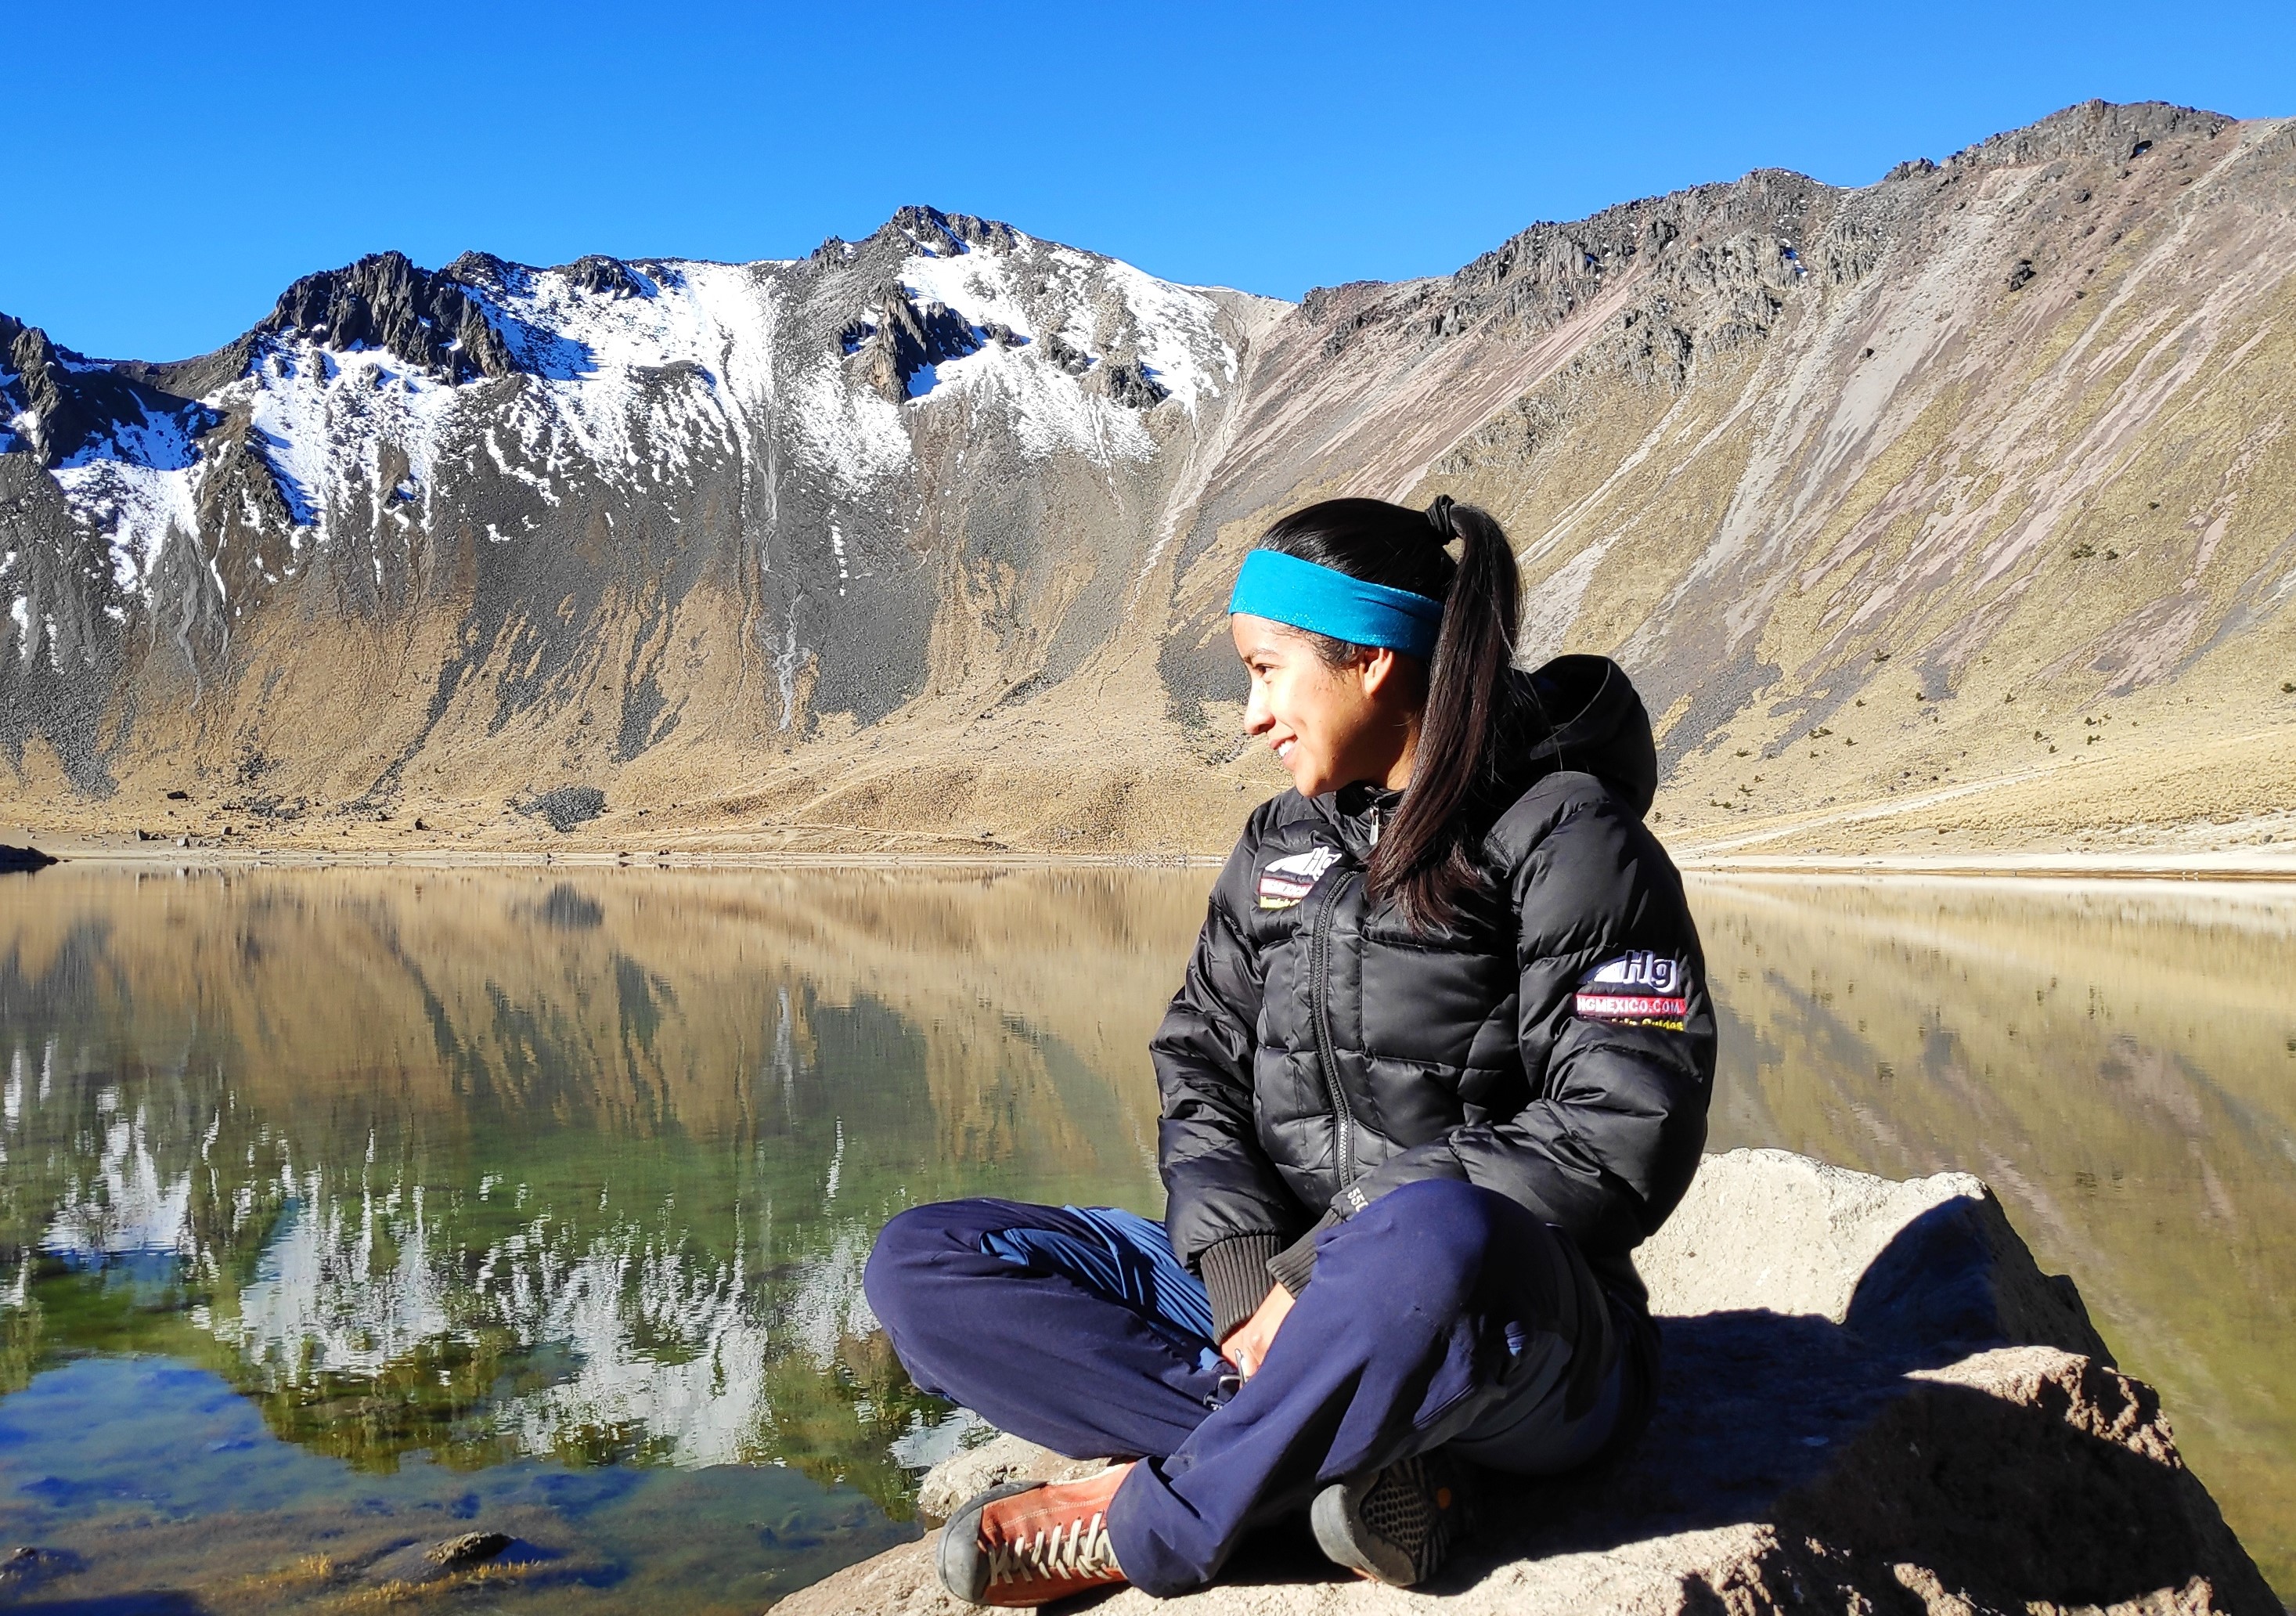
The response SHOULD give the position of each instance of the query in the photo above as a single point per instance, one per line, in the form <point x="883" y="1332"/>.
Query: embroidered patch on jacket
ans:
<point x="1288" y="880"/>
<point x="1638" y="989"/>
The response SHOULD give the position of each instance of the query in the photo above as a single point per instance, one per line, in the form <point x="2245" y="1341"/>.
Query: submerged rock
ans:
<point x="1873" y="1399"/>
<point x="26" y="1567"/>
<point x="470" y="1549"/>
<point x="415" y="1563"/>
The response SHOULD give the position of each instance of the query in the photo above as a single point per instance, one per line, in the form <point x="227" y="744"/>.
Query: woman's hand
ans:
<point x="1247" y="1343"/>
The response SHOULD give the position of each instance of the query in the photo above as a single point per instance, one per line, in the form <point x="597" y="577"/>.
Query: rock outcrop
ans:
<point x="383" y="301"/>
<point x="1874" y="1400"/>
<point x="57" y="407"/>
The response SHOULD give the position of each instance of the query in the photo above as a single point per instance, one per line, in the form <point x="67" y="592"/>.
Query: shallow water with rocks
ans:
<point x="350" y="1216"/>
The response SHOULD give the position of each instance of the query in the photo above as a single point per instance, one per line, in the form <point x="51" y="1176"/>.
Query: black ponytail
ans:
<point x="1425" y="858"/>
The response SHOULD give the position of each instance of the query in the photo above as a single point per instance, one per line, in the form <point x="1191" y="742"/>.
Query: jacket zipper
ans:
<point x="1319" y="969"/>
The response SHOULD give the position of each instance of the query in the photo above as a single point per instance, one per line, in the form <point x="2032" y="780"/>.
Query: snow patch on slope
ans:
<point x="1173" y="331"/>
<point x="1050" y="412"/>
<point x="321" y="420"/>
<point x="136" y="507"/>
<point x="636" y="384"/>
<point x="136" y="486"/>
<point x="1179" y="339"/>
<point x="849" y="434"/>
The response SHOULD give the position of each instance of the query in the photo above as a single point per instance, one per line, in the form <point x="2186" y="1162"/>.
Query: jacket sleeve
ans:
<point x="1227" y="1209"/>
<point x="1612" y="1133"/>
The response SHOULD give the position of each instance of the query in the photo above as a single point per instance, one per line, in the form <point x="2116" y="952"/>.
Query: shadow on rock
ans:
<point x="2012" y="1477"/>
<point x="1963" y="1427"/>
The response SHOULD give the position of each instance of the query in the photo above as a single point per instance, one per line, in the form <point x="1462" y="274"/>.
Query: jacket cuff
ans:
<point x="1235" y="1279"/>
<point x="1294" y="1266"/>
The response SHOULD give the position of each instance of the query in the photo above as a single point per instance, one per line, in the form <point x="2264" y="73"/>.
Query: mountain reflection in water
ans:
<point x="471" y="1171"/>
<point x="339" y="1209"/>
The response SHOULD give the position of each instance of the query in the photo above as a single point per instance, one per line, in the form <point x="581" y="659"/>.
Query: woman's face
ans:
<point x="1330" y="726"/>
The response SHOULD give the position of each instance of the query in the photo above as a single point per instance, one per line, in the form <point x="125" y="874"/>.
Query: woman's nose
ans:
<point x="1257" y="719"/>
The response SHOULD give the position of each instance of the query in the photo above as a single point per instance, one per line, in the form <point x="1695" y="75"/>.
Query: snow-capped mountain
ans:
<point x="391" y="441"/>
<point x="925" y="537"/>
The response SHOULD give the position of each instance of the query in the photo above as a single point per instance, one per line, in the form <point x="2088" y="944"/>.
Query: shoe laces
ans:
<point x="1076" y="1551"/>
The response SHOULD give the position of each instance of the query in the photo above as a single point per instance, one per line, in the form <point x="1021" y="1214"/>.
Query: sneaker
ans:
<point x="1030" y="1542"/>
<point x="1394" y="1525"/>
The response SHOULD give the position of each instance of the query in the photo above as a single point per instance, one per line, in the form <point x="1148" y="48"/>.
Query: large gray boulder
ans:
<point x="1920" y="1264"/>
<point x="1874" y="1400"/>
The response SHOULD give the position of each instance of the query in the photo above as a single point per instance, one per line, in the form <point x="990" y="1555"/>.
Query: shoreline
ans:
<point x="2164" y="865"/>
<point x="2117" y="866"/>
<point x="167" y="855"/>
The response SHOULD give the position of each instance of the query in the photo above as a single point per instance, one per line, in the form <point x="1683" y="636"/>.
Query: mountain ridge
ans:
<point x="923" y="540"/>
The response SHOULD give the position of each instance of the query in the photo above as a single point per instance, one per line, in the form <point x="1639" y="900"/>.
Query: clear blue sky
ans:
<point x="175" y="164"/>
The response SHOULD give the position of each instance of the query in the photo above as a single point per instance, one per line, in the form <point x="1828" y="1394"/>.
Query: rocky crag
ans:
<point x="1873" y="1400"/>
<point x="1950" y="510"/>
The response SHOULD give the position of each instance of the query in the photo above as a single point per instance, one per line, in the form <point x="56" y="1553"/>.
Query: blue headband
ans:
<point x="1323" y="600"/>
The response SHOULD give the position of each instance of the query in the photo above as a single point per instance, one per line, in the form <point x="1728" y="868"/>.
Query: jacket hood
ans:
<point x="1583" y="713"/>
<point x="1580" y="713"/>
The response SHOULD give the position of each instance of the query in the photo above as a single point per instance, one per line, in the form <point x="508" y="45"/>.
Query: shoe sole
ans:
<point x="1338" y="1524"/>
<point x="963" y="1568"/>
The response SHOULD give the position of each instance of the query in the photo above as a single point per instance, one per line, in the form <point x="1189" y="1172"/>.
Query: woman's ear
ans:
<point x="1375" y="667"/>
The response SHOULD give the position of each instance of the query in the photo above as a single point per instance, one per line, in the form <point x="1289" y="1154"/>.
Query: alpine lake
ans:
<point x="344" y="1211"/>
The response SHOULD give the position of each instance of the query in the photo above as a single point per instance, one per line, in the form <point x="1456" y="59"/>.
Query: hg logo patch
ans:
<point x="1638" y="989"/>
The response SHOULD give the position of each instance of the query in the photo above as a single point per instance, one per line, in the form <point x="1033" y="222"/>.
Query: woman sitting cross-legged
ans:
<point x="1440" y="1061"/>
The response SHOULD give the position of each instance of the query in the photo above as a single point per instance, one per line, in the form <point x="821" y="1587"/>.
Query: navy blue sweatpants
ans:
<point x="1441" y="1313"/>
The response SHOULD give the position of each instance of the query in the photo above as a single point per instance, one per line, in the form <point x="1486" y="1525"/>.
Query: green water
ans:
<point x="345" y="1209"/>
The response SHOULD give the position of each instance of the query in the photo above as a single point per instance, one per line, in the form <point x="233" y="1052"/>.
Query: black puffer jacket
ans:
<point x="1556" y="1045"/>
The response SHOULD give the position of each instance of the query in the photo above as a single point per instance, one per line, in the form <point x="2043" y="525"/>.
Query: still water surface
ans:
<point x="345" y="1209"/>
